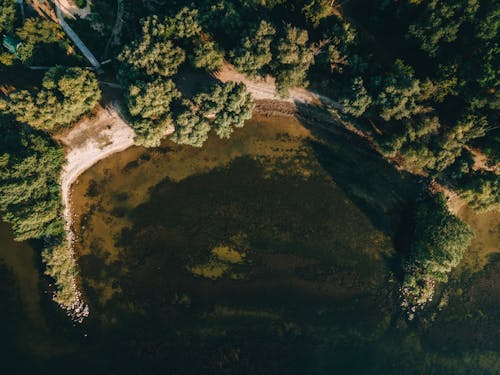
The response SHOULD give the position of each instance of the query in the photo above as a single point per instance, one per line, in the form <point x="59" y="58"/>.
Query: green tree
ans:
<point x="316" y="10"/>
<point x="440" y="22"/>
<point x="7" y="15"/>
<point x="356" y="100"/>
<point x="207" y="56"/>
<point x="184" y="25"/>
<point x="65" y="96"/>
<point x="399" y="93"/>
<point x="440" y="239"/>
<point x="191" y="128"/>
<point x="150" y="57"/>
<point x="439" y="242"/>
<point x="254" y="53"/>
<point x="30" y="166"/>
<point x="293" y="58"/>
<point x="149" y="106"/>
<point x="237" y="108"/>
<point x="37" y="36"/>
<point x="229" y="104"/>
<point x="481" y="190"/>
<point x="153" y="53"/>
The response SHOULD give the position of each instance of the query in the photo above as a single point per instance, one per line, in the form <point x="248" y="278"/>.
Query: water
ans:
<point x="267" y="253"/>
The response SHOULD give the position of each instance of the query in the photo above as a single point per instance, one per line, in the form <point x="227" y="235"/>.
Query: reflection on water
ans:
<point x="266" y="253"/>
<point x="20" y="259"/>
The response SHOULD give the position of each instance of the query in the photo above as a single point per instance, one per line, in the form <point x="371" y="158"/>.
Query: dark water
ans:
<point x="269" y="253"/>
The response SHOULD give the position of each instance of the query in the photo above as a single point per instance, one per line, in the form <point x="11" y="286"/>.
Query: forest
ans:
<point x="418" y="77"/>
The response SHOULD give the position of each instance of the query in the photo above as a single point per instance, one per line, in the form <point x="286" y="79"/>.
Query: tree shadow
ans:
<point x="385" y="194"/>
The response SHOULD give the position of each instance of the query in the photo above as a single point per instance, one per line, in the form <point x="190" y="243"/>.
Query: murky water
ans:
<point x="267" y="253"/>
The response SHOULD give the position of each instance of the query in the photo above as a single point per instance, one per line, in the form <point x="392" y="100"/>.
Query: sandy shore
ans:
<point x="88" y="142"/>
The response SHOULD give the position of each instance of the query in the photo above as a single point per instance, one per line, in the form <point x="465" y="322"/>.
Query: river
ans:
<point x="268" y="253"/>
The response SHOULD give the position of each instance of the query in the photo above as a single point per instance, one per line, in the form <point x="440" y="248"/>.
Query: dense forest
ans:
<point x="419" y="78"/>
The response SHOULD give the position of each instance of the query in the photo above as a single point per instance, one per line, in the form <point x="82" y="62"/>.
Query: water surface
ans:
<point x="268" y="253"/>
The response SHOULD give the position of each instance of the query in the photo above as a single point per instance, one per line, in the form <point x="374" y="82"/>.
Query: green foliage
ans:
<point x="356" y="100"/>
<point x="399" y="93"/>
<point x="191" y="128"/>
<point x="481" y="190"/>
<point x="229" y="104"/>
<point x="207" y="56"/>
<point x="440" y="22"/>
<point x="7" y="15"/>
<point x="7" y="59"/>
<point x="30" y="165"/>
<point x="66" y="95"/>
<point x="316" y="10"/>
<point x="37" y="36"/>
<point x="149" y="105"/>
<point x="254" y="52"/>
<point x="61" y="266"/>
<point x="184" y="25"/>
<point x="151" y="54"/>
<point x="151" y="100"/>
<point x="292" y="60"/>
<point x="81" y="3"/>
<point x="440" y="239"/>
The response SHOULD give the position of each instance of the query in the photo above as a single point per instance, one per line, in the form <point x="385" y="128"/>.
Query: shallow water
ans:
<point x="270" y="252"/>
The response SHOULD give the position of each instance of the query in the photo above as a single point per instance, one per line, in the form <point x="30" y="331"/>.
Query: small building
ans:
<point x="11" y="44"/>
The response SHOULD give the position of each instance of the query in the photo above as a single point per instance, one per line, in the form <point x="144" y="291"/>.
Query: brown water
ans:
<point x="300" y="243"/>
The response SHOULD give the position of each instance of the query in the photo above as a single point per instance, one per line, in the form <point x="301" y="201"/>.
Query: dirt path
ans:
<point x="75" y="38"/>
<point x="70" y="9"/>
<point x="265" y="89"/>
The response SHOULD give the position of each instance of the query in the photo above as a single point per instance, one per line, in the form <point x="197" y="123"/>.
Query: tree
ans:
<point x="293" y="59"/>
<point x="150" y="57"/>
<point x="207" y="56"/>
<point x="30" y="166"/>
<point x="356" y="100"/>
<point x="316" y="10"/>
<point x="190" y="128"/>
<point x="37" y="35"/>
<point x="440" y="239"/>
<point x="229" y="104"/>
<point x="481" y="190"/>
<point x="151" y="100"/>
<point x="439" y="242"/>
<point x="149" y="106"/>
<point x="254" y="53"/>
<point x="66" y="95"/>
<point x="156" y="51"/>
<point x="184" y="25"/>
<point x="7" y="16"/>
<point x="399" y="93"/>
<point x="440" y="22"/>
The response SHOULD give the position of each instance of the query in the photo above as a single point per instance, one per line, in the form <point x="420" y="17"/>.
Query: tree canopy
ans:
<point x="154" y="102"/>
<point x="66" y="94"/>
<point x="30" y="165"/>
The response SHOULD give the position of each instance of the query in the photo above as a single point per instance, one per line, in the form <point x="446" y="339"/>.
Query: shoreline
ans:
<point x="107" y="133"/>
<point x="87" y="143"/>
